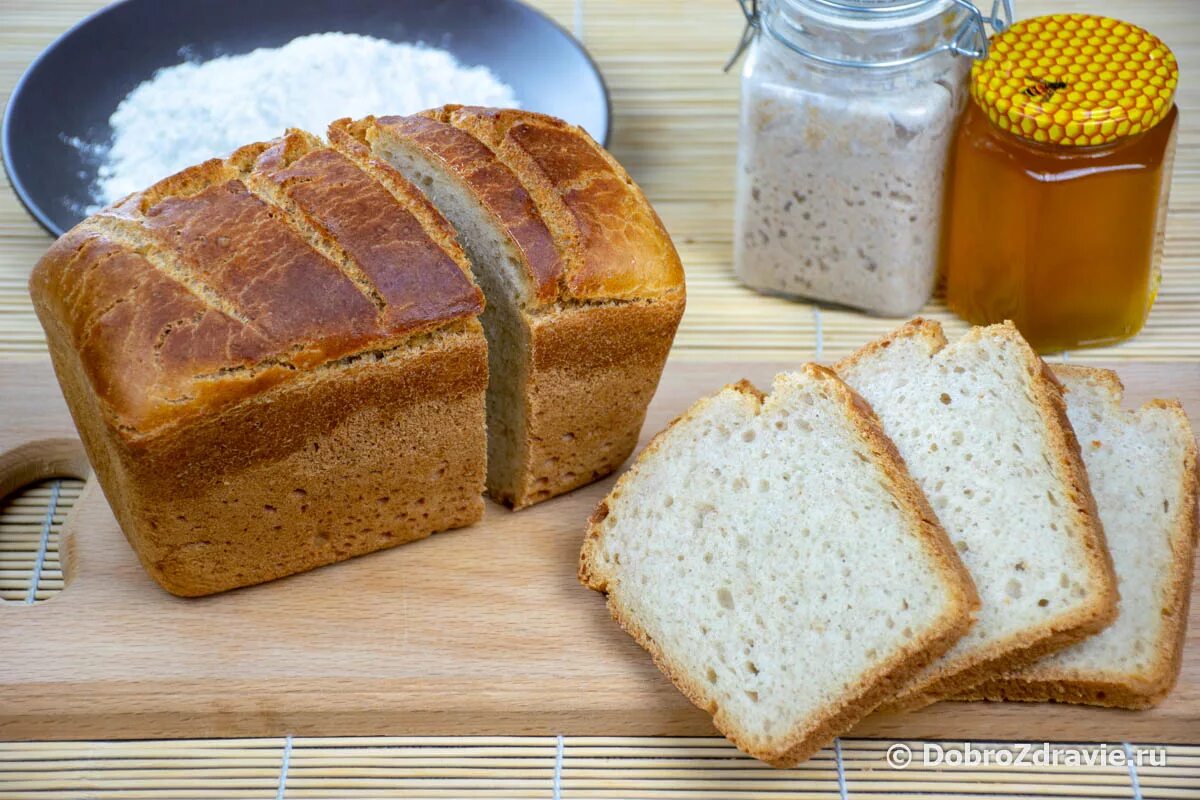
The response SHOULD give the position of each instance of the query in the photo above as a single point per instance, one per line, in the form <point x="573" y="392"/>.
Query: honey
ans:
<point x="1059" y="181"/>
<point x="1066" y="244"/>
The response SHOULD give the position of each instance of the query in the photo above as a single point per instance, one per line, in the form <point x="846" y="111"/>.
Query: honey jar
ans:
<point x="1057" y="200"/>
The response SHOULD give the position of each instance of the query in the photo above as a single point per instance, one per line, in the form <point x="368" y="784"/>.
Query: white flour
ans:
<point x="194" y="111"/>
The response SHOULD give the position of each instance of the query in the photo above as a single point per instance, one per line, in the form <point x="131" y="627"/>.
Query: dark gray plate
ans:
<point x="74" y="86"/>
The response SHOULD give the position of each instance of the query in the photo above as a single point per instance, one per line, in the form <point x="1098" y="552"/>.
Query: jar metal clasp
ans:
<point x="971" y="39"/>
<point x="750" y="12"/>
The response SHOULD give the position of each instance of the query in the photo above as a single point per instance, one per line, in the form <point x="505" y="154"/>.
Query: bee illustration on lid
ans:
<point x="1043" y="89"/>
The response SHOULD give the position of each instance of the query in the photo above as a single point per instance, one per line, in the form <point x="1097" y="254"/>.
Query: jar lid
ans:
<point x="1075" y="79"/>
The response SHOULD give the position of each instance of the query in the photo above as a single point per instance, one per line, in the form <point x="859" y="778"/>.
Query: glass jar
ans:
<point x="848" y="112"/>
<point x="1062" y="169"/>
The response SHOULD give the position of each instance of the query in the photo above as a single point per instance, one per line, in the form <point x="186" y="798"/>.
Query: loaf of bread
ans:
<point x="1142" y="466"/>
<point x="778" y="562"/>
<point x="982" y="426"/>
<point x="584" y="288"/>
<point x="274" y="362"/>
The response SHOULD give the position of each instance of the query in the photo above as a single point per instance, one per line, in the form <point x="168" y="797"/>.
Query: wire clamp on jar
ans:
<point x="750" y="12"/>
<point x="971" y="40"/>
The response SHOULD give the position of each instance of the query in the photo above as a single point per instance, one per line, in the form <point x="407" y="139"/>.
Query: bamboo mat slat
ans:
<point x="675" y="128"/>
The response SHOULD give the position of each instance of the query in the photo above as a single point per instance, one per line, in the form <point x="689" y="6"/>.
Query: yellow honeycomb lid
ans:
<point x="1075" y="79"/>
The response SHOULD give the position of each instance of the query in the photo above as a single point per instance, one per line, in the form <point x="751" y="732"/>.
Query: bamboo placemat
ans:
<point x="628" y="768"/>
<point x="675" y="128"/>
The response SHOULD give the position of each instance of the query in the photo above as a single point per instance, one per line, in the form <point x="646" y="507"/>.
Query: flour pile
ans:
<point x="194" y="111"/>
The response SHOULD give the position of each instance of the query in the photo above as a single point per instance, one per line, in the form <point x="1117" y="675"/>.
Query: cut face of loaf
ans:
<point x="982" y="427"/>
<point x="274" y="363"/>
<point x="584" y="289"/>
<point x="779" y="564"/>
<point x="1142" y="467"/>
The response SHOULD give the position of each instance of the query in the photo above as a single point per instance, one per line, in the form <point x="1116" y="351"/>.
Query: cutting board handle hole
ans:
<point x="39" y="483"/>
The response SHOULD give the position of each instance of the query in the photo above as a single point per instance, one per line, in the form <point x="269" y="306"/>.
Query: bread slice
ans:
<point x="775" y="558"/>
<point x="982" y="426"/>
<point x="1142" y="467"/>
<point x="584" y="288"/>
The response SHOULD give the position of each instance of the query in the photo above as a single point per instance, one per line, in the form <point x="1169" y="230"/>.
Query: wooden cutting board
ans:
<point x="478" y="631"/>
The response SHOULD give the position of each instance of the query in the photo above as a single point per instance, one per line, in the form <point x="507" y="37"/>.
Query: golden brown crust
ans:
<point x="1109" y="694"/>
<point x="615" y="246"/>
<point x="1018" y="652"/>
<point x="1045" y="683"/>
<point x="379" y="240"/>
<point x="230" y="294"/>
<point x="887" y="677"/>
<point x="115" y="308"/>
<point x="952" y="686"/>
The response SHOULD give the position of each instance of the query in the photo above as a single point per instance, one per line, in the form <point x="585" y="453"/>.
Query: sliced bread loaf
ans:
<point x="774" y="557"/>
<point x="1142" y="467"/>
<point x="982" y="427"/>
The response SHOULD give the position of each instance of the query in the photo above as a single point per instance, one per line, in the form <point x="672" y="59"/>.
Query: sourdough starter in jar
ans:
<point x="841" y="169"/>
